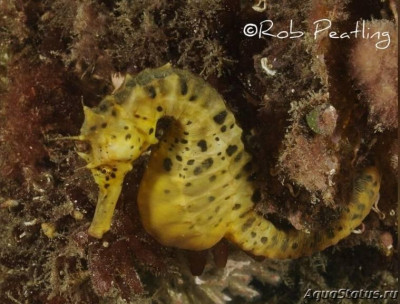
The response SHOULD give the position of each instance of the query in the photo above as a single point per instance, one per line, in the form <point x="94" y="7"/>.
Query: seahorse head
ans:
<point x="112" y="140"/>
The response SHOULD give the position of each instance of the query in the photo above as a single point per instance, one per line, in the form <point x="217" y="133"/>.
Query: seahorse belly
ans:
<point x="185" y="197"/>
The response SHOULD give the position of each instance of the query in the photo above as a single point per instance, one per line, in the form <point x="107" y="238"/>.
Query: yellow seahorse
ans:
<point x="196" y="189"/>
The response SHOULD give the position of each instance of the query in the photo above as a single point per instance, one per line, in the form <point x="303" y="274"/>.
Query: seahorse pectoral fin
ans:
<point x="109" y="179"/>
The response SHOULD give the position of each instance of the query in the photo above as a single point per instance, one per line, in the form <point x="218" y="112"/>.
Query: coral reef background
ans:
<point x="313" y="111"/>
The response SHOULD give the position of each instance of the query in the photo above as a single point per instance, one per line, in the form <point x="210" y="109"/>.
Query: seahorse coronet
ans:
<point x="196" y="188"/>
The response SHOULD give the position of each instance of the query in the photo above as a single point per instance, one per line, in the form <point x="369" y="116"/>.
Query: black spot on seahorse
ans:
<point x="264" y="239"/>
<point x="236" y="207"/>
<point x="197" y="171"/>
<point x="207" y="163"/>
<point x="231" y="149"/>
<point x="295" y="245"/>
<point x="241" y="215"/>
<point x="248" y="224"/>
<point x="183" y="84"/>
<point x="167" y="164"/>
<point x="220" y="117"/>
<point x="151" y="91"/>
<point x="238" y="157"/>
<point x="202" y="144"/>
<point x="103" y="106"/>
